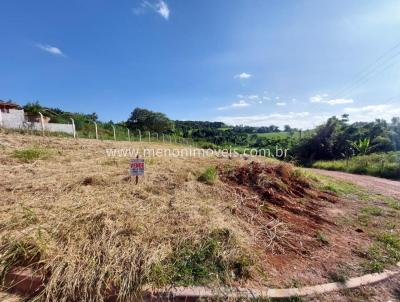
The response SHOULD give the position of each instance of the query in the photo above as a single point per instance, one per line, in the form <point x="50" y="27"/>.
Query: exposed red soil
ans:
<point x="289" y="213"/>
<point x="280" y="194"/>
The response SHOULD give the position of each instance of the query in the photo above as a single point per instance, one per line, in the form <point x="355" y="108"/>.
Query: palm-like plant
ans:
<point x="362" y="146"/>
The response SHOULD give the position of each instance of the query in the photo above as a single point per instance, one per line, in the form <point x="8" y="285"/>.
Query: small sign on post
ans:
<point x="137" y="168"/>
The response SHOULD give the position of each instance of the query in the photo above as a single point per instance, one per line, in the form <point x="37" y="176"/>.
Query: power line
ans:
<point x="369" y="71"/>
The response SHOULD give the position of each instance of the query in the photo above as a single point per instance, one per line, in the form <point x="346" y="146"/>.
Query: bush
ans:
<point x="209" y="176"/>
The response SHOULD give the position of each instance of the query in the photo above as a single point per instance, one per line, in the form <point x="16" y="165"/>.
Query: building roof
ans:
<point x="9" y="105"/>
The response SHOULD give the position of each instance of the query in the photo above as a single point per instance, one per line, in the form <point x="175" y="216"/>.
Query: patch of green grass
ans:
<point x="364" y="217"/>
<point x="209" y="176"/>
<point x="18" y="253"/>
<point x="212" y="259"/>
<point x="372" y="210"/>
<point x="386" y="250"/>
<point x="345" y="189"/>
<point x="330" y="187"/>
<point x="377" y="164"/>
<point x="394" y="204"/>
<point x="32" y="154"/>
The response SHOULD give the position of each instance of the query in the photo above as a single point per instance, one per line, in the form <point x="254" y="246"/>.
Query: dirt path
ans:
<point x="375" y="184"/>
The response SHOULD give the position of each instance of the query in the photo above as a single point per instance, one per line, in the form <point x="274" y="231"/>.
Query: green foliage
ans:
<point x="33" y="107"/>
<point x="377" y="164"/>
<point x="372" y="210"/>
<point x="31" y="154"/>
<point x="333" y="140"/>
<point x="214" y="258"/>
<point x="16" y="253"/>
<point x="147" y="120"/>
<point x="386" y="250"/>
<point x="209" y="176"/>
<point x="362" y="146"/>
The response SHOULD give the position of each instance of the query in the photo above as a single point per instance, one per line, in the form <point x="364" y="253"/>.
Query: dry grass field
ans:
<point x="71" y="214"/>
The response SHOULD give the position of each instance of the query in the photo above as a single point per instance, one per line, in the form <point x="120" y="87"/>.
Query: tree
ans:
<point x="147" y="120"/>
<point x="33" y="107"/>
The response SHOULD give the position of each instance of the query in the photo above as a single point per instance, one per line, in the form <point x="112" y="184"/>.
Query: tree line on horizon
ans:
<point x="337" y="138"/>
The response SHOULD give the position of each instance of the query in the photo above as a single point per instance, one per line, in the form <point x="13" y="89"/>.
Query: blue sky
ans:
<point x="254" y="62"/>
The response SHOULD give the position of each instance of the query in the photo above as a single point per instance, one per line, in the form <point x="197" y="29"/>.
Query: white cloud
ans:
<point x="239" y="104"/>
<point x="372" y="112"/>
<point x="303" y="120"/>
<point x="51" y="49"/>
<point x="324" y="100"/>
<point x="161" y="8"/>
<point x="253" y="97"/>
<point x="243" y="75"/>
<point x="282" y="104"/>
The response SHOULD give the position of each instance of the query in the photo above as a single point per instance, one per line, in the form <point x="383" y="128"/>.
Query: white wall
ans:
<point x="15" y="119"/>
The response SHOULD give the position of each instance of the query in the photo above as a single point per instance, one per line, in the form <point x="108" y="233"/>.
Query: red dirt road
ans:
<point x="374" y="184"/>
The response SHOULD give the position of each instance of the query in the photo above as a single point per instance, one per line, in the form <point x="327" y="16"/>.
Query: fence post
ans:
<point x="95" y="127"/>
<point x="140" y="135"/>
<point x="42" y="122"/>
<point x="157" y="135"/>
<point x="73" y="126"/>
<point x="163" y="140"/>
<point x="1" y="119"/>
<point x="129" y="136"/>
<point x="115" y="136"/>
<point x="149" y="136"/>
<point x="170" y="139"/>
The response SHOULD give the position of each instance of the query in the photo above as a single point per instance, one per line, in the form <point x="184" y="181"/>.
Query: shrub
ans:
<point x="209" y="176"/>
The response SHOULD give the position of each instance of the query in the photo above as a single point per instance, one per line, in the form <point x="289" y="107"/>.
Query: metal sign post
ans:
<point x="137" y="168"/>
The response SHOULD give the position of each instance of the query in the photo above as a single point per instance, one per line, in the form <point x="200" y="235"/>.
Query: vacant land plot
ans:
<point x="72" y="215"/>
